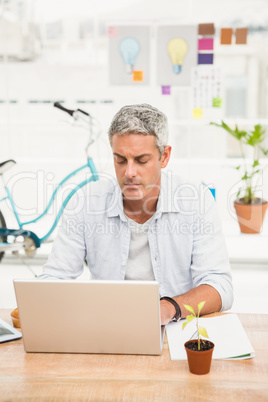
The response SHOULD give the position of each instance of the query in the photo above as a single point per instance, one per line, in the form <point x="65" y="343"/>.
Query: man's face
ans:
<point x="138" y="165"/>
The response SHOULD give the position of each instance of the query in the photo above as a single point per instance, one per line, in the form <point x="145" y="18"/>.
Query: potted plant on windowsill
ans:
<point x="199" y="351"/>
<point x="249" y="208"/>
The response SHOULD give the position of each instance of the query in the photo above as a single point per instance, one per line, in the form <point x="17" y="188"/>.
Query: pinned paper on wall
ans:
<point x="129" y="55"/>
<point x="166" y="90"/>
<point x="176" y="54"/>
<point x="241" y="36"/>
<point x="197" y="113"/>
<point x="112" y="32"/>
<point x="205" y="44"/>
<point x="226" y="36"/>
<point x="137" y="76"/>
<point x="206" y="92"/>
<point x="205" y="58"/>
<point x="206" y="29"/>
<point x="217" y="102"/>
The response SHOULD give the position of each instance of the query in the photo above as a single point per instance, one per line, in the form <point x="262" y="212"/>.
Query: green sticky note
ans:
<point x="217" y="102"/>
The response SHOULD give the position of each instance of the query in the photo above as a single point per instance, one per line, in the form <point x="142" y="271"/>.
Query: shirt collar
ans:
<point x="166" y="200"/>
<point x="116" y="206"/>
<point x="167" y="197"/>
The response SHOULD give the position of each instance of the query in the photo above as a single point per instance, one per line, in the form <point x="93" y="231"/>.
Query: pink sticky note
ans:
<point x="112" y="32"/>
<point x="166" y="90"/>
<point x="205" y="44"/>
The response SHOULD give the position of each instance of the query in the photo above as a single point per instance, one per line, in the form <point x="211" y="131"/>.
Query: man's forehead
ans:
<point x="133" y="140"/>
<point x="134" y="146"/>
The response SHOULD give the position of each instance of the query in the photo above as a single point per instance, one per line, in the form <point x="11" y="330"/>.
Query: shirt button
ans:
<point x="123" y="263"/>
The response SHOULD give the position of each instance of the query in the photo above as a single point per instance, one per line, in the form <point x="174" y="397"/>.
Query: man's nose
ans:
<point x="130" y="170"/>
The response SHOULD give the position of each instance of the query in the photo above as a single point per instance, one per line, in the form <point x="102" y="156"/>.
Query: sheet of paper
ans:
<point x="225" y="331"/>
<point x="241" y="36"/>
<point x="205" y="44"/>
<point x="166" y="90"/>
<point x="207" y="91"/>
<point x="206" y="29"/>
<point x="8" y="333"/>
<point x="197" y="113"/>
<point x="137" y="76"/>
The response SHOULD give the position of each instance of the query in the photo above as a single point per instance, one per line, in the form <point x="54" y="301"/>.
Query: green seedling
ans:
<point x="200" y="330"/>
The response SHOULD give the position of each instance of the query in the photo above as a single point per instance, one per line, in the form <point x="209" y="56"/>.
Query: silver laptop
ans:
<point x="119" y="317"/>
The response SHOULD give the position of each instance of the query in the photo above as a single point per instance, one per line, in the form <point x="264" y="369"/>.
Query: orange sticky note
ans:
<point x="241" y="36"/>
<point x="226" y="36"/>
<point x="137" y="76"/>
<point x="197" y="113"/>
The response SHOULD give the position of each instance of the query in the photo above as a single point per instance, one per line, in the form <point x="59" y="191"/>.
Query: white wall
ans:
<point x="36" y="135"/>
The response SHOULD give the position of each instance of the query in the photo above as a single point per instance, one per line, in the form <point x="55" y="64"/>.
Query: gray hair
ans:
<point x="141" y="119"/>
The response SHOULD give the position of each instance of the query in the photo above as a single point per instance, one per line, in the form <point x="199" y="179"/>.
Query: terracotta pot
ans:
<point x="199" y="362"/>
<point x="250" y="216"/>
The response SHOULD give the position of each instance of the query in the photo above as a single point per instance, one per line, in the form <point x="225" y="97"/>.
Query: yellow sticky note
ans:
<point x="137" y="76"/>
<point x="197" y="113"/>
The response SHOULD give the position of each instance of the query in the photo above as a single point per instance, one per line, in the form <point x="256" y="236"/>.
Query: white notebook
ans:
<point x="225" y="331"/>
<point x="8" y="333"/>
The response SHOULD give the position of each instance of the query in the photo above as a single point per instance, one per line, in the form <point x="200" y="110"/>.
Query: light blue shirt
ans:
<point x="187" y="246"/>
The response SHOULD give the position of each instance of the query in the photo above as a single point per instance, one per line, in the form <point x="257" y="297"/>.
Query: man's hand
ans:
<point x="167" y="311"/>
<point x="192" y="297"/>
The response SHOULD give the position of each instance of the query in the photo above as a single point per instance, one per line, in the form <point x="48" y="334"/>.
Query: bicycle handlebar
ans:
<point x="84" y="120"/>
<point x="82" y="111"/>
<point x="59" y="106"/>
<point x="69" y="111"/>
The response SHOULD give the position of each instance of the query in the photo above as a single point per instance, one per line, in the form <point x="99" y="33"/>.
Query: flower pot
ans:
<point x="250" y="216"/>
<point x="199" y="361"/>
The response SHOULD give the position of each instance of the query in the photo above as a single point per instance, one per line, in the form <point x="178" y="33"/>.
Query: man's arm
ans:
<point x="68" y="252"/>
<point x="210" y="267"/>
<point x="193" y="297"/>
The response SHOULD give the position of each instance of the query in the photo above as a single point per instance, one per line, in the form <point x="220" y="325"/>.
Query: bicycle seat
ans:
<point x="6" y="165"/>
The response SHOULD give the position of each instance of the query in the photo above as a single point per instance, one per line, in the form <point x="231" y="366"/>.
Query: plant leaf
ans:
<point x="184" y="324"/>
<point x="256" y="136"/>
<point x="200" y="306"/>
<point x="189" y="308"/>
<point x="264" y="151"/>
<point x="202" y="331"/>
<point x="189" y="318"/>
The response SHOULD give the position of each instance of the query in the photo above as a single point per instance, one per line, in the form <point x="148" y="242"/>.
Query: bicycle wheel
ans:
<point x="2" y="239"/>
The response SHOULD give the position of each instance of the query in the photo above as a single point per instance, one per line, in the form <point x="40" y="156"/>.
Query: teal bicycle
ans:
<point x="19" y="239"/>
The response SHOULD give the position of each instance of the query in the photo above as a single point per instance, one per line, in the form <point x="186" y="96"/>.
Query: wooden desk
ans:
<point x="82" y="377"/>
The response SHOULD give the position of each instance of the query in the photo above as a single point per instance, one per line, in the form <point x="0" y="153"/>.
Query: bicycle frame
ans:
<point x="94" y="177"/>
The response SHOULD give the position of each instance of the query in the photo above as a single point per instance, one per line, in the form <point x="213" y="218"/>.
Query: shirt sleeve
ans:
<point x="68" y="253"/>
<point x="210" y="263"/>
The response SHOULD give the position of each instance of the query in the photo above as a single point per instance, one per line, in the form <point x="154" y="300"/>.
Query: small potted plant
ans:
<point x="199" y="351"/>
<point x="249" y="208"/>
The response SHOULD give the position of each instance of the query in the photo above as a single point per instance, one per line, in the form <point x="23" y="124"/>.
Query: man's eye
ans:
<point x="120" y="161"/>
<point x="142" y="162"/>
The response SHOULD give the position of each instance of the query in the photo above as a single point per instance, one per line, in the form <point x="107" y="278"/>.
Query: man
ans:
<point x="146" y="225"/>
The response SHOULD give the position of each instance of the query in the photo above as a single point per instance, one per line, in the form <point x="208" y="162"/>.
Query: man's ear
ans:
<point x="165" y="156"/>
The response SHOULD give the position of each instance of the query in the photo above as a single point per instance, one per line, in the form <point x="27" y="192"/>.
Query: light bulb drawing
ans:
<point x="129" y="50"/>
<point x="177" y="49"/>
